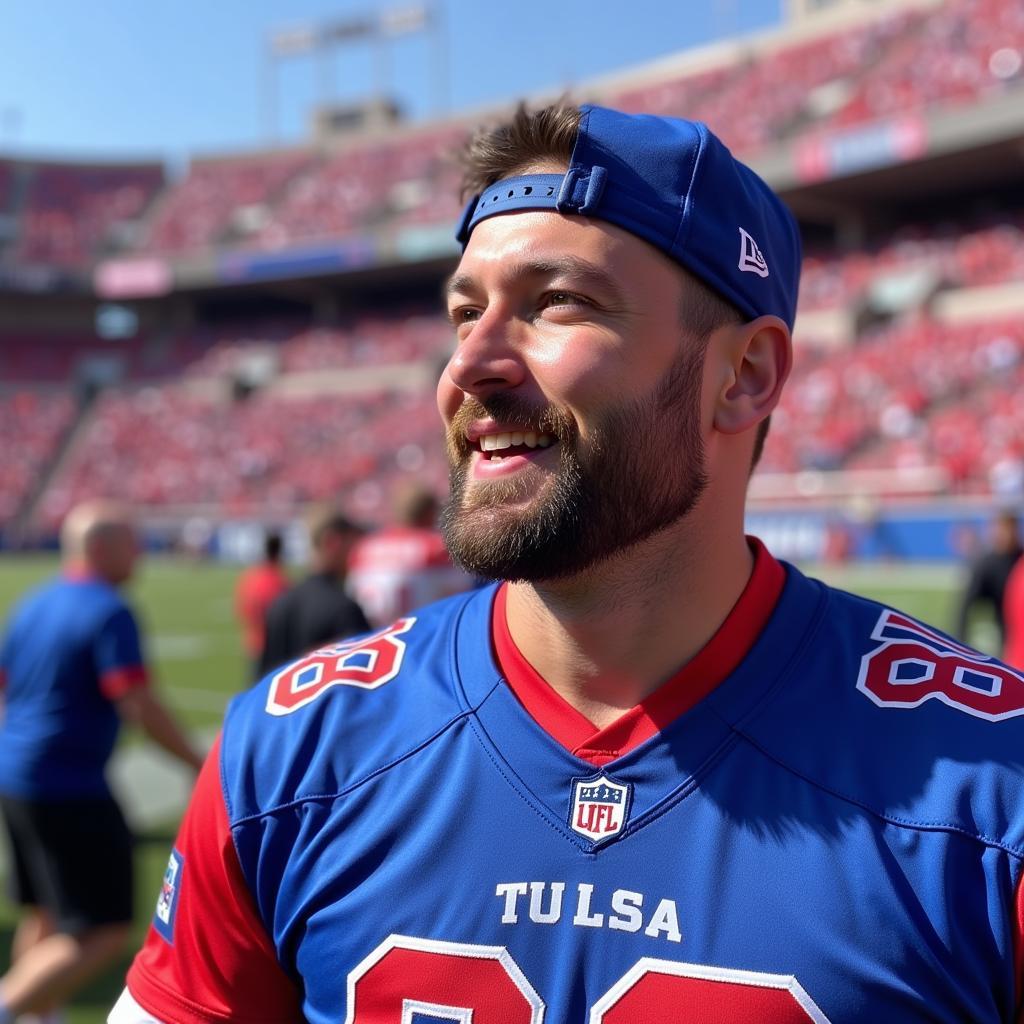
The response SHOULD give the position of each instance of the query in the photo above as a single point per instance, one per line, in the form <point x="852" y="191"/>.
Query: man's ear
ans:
<point x="758" y="357"/>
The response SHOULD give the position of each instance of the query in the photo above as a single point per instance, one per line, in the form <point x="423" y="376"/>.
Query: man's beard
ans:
<point x="641" y="471"/>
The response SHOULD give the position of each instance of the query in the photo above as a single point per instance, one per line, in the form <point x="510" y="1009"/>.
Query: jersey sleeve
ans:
<point x="208" y="957"/>
<point x="118" y="654"/>
<point x="1019" y="950"/>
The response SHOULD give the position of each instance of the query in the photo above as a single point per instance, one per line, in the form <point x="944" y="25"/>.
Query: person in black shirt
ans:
<point x="989" y="572"/>
<point x="316" y="611"/>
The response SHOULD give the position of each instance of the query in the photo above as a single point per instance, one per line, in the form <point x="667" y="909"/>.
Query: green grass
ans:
<point x="186" y="611"/>
<point x="194" y="645"/>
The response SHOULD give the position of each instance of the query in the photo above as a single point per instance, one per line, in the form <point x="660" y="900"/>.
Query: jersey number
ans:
<point x="367" y="663"/>
<point x="422" y="981"/>
<point x="914" y="664"/>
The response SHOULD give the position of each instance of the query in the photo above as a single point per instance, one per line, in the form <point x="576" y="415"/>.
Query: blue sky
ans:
<point x="167" y="78"/>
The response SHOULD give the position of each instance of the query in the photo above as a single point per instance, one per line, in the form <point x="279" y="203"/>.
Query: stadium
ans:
<point x="223" y="347"/>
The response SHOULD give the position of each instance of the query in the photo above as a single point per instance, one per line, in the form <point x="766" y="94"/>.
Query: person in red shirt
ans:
<point x="406" y="565"/>
<point x="257" y="589"/>
<point x="1013" y="616"/>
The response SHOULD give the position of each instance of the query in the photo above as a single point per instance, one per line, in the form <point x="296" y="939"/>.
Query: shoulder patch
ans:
<point x="366" y="662"/>
<point x="914" y="664"/>
<point x="167" y="901"/>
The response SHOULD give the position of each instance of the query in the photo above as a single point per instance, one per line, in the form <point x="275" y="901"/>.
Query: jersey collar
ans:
<point x="694" y="681"/>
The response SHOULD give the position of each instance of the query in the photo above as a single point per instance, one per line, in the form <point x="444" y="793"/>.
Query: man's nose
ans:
<point x="487" y="359"/>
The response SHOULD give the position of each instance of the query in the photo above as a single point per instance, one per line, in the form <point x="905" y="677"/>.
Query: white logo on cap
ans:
<point x="751" y="258"/>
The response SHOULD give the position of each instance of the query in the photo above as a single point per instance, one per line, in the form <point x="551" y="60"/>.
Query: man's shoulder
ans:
<point x="895" y="716"/>
<point x="87" y="598"/>
<point x="323" y="722"/>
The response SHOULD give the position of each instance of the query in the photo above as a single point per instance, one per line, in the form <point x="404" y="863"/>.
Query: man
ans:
<point x="317" y="610"/>
<point x="405" y="565"/>
<point x="257" y="589"/>
<point x="72" y="670"/>
<point x="655" y="775"/>
<point x="986" y="581"/>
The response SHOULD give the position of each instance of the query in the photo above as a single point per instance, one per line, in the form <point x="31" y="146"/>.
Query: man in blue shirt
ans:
<point x="71" y="669"/>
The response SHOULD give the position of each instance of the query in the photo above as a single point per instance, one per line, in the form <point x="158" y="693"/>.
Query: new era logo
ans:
<point x="752" y="260"/>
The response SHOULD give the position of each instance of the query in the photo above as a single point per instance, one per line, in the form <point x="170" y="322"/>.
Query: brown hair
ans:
<point x="532" y="138"/>
<point x="526" y="139"/>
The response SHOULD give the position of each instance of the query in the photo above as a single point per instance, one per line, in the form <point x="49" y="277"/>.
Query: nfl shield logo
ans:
<point x="599" y="807"/>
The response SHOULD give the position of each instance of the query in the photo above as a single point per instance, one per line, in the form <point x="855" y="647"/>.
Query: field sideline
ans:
<point x="193" y="642"/>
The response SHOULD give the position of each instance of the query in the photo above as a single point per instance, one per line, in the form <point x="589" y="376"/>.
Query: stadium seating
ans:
<point x="908" y="391"/>
<point x="169" y="447"/>
<point x="966" y="254"/>
<point x="33" y="421"/>
<point x="953" y="54"/>
<point x="772" y="91"/>
<point x="217" y="198"/>
<point x="913" y="394"/>
<point x="70" y="213"/>
<point x="395" y="183"/>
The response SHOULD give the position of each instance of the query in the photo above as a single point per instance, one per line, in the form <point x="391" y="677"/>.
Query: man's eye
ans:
<point x="463" y="315"/>
<point x="564" y="299"/>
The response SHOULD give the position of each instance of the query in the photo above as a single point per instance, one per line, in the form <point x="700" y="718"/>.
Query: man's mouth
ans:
<point x="508" y="443"/>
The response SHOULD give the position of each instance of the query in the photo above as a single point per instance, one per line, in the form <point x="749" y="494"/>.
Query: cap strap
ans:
<point x="527" y="192"/>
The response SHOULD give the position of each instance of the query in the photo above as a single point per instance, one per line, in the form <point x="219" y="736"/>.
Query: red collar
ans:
<point x="694" y="681"/>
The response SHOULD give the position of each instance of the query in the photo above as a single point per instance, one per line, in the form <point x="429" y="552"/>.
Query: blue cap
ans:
<point x="674" y="184"/>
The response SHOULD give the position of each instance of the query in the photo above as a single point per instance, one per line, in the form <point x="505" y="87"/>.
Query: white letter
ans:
<point x="665" y="919"/>
<point x="511" y="891"/>
<point x="554" y="911"/>
<point x="628" y="904"/>
<point x="583" y="916"/>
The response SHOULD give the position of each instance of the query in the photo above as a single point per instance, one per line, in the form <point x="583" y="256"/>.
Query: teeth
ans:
<point x="508" y="439"/>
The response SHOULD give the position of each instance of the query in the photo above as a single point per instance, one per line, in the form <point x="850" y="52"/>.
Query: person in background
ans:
<point x="986" y="581"/>
<point x="1013" y="616"/>
<point x="317" y="610"/>
<point x="406" y="565"/>
<point x="257" y="589"/>
<point x="71" y="670"/>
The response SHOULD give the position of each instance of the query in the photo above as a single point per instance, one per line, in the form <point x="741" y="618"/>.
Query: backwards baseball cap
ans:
<point x="674" y="184"/>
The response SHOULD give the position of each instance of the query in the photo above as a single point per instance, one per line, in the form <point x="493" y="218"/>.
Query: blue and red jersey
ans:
<point x="71" y="648"/>
<point x="820" y="818"/>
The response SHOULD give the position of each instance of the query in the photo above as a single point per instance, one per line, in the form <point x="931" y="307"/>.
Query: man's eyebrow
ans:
<point x="582" y="271"/>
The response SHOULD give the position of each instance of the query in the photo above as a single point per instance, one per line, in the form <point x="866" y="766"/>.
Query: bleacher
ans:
<point x="33" y="421"/>
<point x="171" y="447"/>
<point x="69" y="214"/>
<point x="234" y="415"/>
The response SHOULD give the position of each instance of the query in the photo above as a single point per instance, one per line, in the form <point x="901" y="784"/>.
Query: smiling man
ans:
<point x="652" y="774"/>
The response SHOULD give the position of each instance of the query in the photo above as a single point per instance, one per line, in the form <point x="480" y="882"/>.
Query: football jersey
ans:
<point x="829" y="829"/>
<point x="71" y="648"/>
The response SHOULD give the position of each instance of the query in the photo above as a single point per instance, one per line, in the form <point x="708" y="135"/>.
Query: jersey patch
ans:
<point x="167" y="901"/>
<point x="600" y="807"/>
<point x="915" y="664"/>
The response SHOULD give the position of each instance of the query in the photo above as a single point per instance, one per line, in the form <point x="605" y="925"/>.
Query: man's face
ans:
<point x="573" y="401"/>
<point x="114" y="553"/>
<point x="334" y="548"/>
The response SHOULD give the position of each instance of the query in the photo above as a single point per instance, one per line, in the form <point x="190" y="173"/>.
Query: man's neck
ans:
<point x="607" y="638"/>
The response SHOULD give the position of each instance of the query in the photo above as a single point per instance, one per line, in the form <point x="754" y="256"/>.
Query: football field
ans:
<point x="193" y="643"/>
